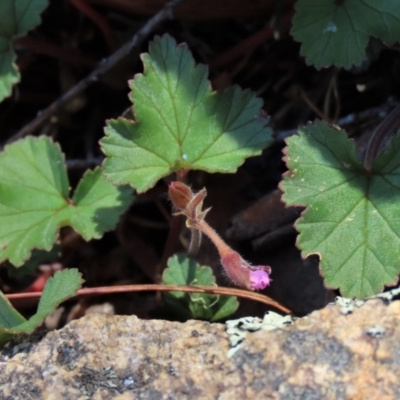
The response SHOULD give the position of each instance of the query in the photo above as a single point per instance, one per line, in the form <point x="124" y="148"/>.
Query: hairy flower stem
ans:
<point x="222" y="247"/>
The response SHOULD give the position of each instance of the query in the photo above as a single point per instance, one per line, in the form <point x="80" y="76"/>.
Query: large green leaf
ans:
<point x="352" y="217"/>
<point x="34" y="199"/>
<point x="185" y="271"/>
<point x="63" y="285"/>
<point x="180" y="123"/>
<point x="17" y="17"/>
<point x="337" y="32"/>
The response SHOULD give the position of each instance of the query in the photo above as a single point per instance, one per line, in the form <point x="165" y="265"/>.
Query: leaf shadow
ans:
<point x="106" y="218"/>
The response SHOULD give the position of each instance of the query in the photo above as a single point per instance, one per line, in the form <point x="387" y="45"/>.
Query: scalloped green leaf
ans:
<point x="182" y="270"/>
<point x="180" y="123"/>
<point x="337" y="32"/>
<point x="34" y="200"/>
<point x="62" y="286"/>
<point x="17" y="17"/>
<point x="352" y="217"/>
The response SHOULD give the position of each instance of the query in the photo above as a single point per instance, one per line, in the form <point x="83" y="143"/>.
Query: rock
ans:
<point x="103" y="356"/>
<point x="326" y="355"/>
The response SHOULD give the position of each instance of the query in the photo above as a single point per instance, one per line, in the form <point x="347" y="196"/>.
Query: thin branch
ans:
<point x="308" y="101"/>
<point x="165" y="13"/>
<point x="217" y="290"/>
<point x="374" y="113"/>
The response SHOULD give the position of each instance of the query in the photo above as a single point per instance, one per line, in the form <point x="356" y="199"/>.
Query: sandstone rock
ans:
<point x="103" y="356"/>
<point x="324" y="356"/>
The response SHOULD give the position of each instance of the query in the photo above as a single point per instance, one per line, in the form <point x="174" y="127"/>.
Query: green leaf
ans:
<point x="99" y="205"/>
<point x="34" y="199"/>
<point x="180" y="123"/>
<point x="9" y="316"/>
<point x="17" y="17"/>
<point x="185" y="271"/>
<point x="351" y="219"/>
<point x="63" y="285"/>
<point x="337" y="32"/>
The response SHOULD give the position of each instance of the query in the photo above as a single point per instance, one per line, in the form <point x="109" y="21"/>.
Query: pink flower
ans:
<point x="259" y="279"/>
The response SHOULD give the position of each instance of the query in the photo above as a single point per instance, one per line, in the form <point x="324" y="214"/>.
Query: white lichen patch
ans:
<point x="238" y="329"/>
<point x="388" y="296"/>
<point x="347" y="305"/>
<point x="376" y="331"/>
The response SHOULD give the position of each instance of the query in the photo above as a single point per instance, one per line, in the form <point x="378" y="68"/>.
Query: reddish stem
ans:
<point x="248" y="44"/>
<point x="216" y="290"/>
<point x="98" y="20"/>
<point x="52" y="50"/>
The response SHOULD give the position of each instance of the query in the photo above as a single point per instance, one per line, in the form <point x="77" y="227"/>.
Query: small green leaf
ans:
<point x="337" y="32"/>
<point x="227" y="305"/>
<point x="180" y="123"/>
<point x="17" y="17"/>
<point x="185" y="271"/>
<point x="34" y="199"/>
<point x="9" y="316"/>
<point x="62" y="286"/>
<point x="351" y="219"/>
